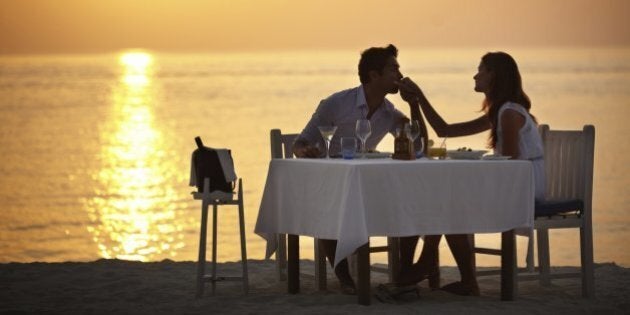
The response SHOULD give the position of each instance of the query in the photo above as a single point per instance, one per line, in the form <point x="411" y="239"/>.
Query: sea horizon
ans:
<point x="96" y="146"/>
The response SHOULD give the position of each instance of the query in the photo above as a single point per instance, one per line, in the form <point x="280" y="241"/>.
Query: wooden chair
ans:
<point x="569" y="163"/>
<point x="282" y="148"/>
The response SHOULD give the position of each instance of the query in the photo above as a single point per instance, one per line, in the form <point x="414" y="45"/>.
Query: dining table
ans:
<point x="353" y="200"/>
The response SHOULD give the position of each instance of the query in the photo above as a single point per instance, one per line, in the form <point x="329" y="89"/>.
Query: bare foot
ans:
<point x="416" y="274"/>
<point x="347" y="284"/>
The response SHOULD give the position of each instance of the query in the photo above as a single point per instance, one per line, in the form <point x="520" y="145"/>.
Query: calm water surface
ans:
<point x="95" y="149"/>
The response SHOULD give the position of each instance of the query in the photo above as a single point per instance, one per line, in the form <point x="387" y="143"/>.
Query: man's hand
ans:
<point x="305" y="150"/>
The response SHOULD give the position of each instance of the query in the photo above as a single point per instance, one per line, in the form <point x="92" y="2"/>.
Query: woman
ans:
<point x="513" y="133"/>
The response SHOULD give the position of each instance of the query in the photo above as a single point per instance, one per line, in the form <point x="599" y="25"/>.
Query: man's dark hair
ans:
<point x="375" y="59"/>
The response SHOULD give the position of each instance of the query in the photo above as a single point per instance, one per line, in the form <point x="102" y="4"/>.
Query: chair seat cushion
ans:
<point x="553" y="207"/>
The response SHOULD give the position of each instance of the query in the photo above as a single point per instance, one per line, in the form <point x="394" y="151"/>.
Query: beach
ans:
<point x="168" y="287"/>
<point x="107" y="143"/>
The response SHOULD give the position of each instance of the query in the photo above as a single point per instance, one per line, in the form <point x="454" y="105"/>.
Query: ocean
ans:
<point x="95" y="149"/>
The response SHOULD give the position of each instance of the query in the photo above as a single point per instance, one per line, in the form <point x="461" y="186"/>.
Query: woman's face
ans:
<point x="483" y="79"/>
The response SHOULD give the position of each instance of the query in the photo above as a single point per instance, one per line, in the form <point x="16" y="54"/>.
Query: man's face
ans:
<point x="391" y="75"/>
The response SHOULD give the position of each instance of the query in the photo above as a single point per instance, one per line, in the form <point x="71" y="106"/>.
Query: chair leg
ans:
<point x="471" y="239"/>
<point x="529" y="260"/>
<point x="320" y="265"/>
<point x="201" y="263"/>
<point x="281" y="257"/>
<point x="586" y="251"/>
<point x="544" y="261"/>
<point x="241" y="219"/>
<point x="214" y="247"/>
<point x="293" y="266"/>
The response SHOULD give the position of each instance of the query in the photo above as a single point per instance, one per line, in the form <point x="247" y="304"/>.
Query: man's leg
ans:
<point x="342" y="271"/>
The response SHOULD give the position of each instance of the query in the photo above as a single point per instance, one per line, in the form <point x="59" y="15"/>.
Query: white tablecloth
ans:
<point x="351" y="200"/>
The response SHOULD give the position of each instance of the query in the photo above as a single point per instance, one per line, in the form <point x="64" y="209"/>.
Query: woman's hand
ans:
<point x="409" y="90"/>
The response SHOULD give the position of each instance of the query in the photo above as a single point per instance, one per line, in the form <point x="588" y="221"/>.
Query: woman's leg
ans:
<point x="464" y="257"/>
<point x="407" y="250"/>
<point x="426" y="265"/>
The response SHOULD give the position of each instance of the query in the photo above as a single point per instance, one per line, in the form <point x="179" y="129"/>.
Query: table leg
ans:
<point x="393" y="258"/>
<point x="508" y="266"/>
<point x="363" y="283"/>
<point x="293" y="265"/>
<point x="320" y="265"/>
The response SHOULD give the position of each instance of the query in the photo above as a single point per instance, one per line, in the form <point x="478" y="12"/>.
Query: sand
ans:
<point x="168" y="287"/>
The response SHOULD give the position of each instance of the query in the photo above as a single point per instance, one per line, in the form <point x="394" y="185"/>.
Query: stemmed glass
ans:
<point x="327" y="133"/>
<point x="413" y="131"/>
<point x="363" y="130"/>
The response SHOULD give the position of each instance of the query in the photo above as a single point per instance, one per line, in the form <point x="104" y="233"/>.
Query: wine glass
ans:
<point x="363" y="130"/>
<point x="413" y="131"/>
<point x="420" y="152"/>
<point x="327" y="133"/>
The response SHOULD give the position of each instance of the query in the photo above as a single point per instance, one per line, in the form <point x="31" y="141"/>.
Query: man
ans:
<point x="379" y="73"/>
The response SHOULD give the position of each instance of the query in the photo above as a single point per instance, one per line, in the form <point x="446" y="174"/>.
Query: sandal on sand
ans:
<point x="387" y="293"/>
<point x="460" y="288"/>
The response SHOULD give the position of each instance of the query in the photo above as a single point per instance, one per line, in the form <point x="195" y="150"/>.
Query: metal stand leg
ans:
<point x="241" y="219"/>
<point x="214" y="247"/>
<point x="206" y="199"/>
<point x="201" y="264"/>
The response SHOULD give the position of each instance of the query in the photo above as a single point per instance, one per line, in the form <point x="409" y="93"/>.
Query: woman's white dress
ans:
<point x="530" y="146"/>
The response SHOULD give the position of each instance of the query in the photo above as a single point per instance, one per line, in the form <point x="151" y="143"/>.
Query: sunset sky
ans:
<point x="66" y="26"/>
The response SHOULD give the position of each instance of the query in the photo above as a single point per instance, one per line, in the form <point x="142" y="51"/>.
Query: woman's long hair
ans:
<point x="506" y="86"/>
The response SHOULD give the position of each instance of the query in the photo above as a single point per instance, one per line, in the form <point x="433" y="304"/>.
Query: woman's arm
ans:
<point x="511" y="122"/>
<point x="412" y="94"/>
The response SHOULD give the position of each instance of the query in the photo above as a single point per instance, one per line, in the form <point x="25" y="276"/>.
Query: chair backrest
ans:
<point x="281" y="144"/>
<point x="569" y="163"/>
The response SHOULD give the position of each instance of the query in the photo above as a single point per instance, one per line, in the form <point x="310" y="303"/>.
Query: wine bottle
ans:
<point x="199" y="143"/>
<point x="403" y="147"/>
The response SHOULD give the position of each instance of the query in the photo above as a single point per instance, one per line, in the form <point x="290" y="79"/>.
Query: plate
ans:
<point x="495" y="157"/>
<point x="465" y="155"/>
<point x="374" y="155"/>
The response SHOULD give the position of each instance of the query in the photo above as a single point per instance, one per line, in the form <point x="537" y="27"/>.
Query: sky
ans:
<point x="77" y="26"/>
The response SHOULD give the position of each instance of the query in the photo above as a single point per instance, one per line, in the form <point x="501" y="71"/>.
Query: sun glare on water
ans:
<point x="132" y="181"/>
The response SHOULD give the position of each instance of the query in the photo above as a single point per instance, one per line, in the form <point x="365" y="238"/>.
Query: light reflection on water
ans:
<point x="130" y="213"/>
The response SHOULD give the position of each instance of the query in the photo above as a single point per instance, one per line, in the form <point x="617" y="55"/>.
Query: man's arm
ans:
<point x="307" y="144"/>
